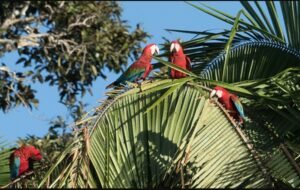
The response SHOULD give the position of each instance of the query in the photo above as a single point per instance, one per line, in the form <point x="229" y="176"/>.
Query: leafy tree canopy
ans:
<point x="66" y="44"/>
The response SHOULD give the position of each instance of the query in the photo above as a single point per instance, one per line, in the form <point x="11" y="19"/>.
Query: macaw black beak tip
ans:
<point x="173" y="50"/>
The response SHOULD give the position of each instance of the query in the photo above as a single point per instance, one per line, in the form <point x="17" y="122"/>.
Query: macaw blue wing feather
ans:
<point x="14" y="167"/>
<point x="238" y="105"/>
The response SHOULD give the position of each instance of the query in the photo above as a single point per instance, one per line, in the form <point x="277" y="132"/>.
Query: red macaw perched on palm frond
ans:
<point x="139" y="69"/>
<point x="231" y="103"/>
<point x="180" y="59"/>
<point x="20" y="160"/>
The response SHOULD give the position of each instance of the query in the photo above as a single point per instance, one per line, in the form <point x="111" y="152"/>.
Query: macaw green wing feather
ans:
<point x="131" y="75"/>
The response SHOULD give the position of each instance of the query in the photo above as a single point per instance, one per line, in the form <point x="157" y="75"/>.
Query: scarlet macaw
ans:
<point x="140" y="69"/>
<point x="180" y="59"/>
<point x="20" y="160"/>
<point x="231" y="103"/>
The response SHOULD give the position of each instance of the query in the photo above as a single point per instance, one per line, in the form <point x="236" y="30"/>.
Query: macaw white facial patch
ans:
<point x="154" y="49"/>
<point x="174" y="46"/>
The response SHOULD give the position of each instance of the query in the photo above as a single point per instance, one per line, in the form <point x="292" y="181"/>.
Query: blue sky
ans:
<point x="154" y="17"/>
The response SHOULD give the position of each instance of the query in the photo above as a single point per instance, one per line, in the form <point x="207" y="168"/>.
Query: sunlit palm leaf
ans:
<point x="4" y="163"/>
<point x="136" y="148"/>
<point x="131" y="148"/>
<point x="218" y="157"/>
<point x="262" y="60"/>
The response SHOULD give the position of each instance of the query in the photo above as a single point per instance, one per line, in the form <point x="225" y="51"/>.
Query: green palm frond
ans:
<point x="259" y="51"/>
<point x="260" y="37"/>
<point x="264" y="59"/>
<point x="268" y="132"/>
<point x="251" y="60"/>
<point x="4" y="163"/>
<point x="268" y="28"/>
<point x="137" y="147"/>
<point x="184" y="141"/>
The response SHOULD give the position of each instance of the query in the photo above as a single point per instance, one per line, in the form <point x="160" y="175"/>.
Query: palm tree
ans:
<point x="168" y="132"/>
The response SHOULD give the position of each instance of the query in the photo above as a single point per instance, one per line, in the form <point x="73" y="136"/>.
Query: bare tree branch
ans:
<point x="7" y="41"/>
<point x="8" y="22"/>
<point x="83" y="23"/>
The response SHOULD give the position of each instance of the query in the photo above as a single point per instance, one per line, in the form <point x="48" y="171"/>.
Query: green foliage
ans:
<point x="4" y="162"/>
<point x="66" y="44"/>
<point x="14" y="91"/>
<point x="169" y="134"/>
<point x="184" y="141"/>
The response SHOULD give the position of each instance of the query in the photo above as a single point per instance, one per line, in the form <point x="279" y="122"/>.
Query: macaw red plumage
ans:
<point x="231" y="103"/>
<point x="20" y="160"/>
<point x="140" y="69"/>
<point x="178" y="58"/>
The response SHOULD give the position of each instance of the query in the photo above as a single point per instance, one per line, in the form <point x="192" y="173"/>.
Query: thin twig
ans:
<point x="289" y="156"/>
<point x="83" y="23"/>
<point x="86" y="159"/>
<point x="182" y="177"/>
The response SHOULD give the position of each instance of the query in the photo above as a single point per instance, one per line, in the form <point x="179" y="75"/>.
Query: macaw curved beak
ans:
<point x="154" y="49"/>
<point x="213" y="93"/>
<point x="174" y="47"/>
